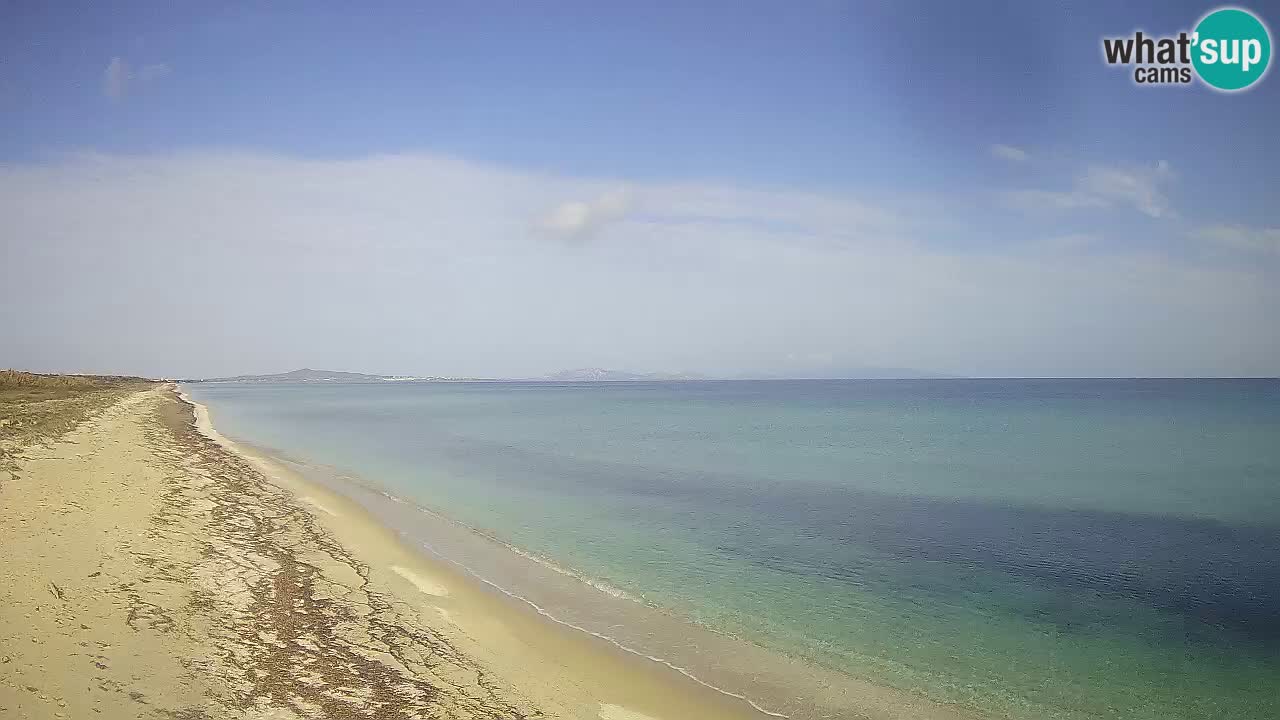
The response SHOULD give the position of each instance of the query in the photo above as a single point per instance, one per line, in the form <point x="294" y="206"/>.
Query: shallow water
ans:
<point x="1053" y="548"/>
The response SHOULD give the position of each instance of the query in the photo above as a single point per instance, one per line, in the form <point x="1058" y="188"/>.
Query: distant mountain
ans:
<point x="309" y="375"/>
<point x="603" y="375"/>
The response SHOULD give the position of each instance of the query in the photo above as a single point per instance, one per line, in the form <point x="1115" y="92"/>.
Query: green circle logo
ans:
<point x="1232" y="49"/>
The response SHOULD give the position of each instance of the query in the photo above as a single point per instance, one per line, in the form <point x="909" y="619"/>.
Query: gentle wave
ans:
<point x="598" y="585"/>
<point x="612" y="641"/>
<point x="542" y="560"/>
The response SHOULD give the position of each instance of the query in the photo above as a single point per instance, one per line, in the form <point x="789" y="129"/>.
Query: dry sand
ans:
<point x="150" y="569"/>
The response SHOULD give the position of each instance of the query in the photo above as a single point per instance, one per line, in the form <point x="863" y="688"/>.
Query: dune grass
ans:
<point x="36" y="408"/>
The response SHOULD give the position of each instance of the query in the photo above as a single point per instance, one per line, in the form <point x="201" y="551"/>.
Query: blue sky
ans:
<point x="983" y="128"/>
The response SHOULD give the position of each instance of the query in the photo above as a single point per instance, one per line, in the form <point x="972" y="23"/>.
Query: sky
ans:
<point x="730" y="189"/>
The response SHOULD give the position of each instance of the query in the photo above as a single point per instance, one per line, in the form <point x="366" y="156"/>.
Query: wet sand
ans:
<point x="153" y="568"/>
<point x="151" y="571"/>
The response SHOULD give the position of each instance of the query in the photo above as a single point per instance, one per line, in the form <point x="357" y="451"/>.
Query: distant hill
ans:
<point x="309" y="375"/>
<point x="603" y="375"/>
<point x="576" y="375"/>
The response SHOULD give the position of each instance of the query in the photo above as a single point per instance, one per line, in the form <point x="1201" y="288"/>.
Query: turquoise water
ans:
<point x="1057" y="548"/>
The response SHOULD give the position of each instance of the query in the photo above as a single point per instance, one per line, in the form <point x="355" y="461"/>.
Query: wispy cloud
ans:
<point x="1070" y="242"/>
<point x="1052" y="200"/>
<point x="1137" y="187"/>
<point x="1265" y="240"/>
<point x="1009" y="152"/>
<point x="119" y="76"/>
<point x="1102" y="186"/>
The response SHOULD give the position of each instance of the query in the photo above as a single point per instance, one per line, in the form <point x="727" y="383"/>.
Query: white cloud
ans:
<point x="1101" y="186"/>
<point x="115" y="78"/>
<point x="1265" y="240"/>
<point x="424" y="264"/>
<point x="1070" y="242"/>
<point x="1136" y="187"/>
<point x="119" y="76"/>
<point x="578" y="220"/>
<point x="153" y="71"/>
<point x="1052" y="200"/>
<point x="1009" y="152"/>
<point x="840" y="219"/>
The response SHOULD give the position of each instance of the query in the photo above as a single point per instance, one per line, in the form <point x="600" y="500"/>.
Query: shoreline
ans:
<point x="279" y="462"/>
<point x="433" y="572"/>
<point x="149" y="572"/>
<point x="835" y="694"/>
<point x="178" y="573"/>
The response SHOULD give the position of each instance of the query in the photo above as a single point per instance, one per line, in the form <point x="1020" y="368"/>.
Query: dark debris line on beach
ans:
<point x="285" y="633"/>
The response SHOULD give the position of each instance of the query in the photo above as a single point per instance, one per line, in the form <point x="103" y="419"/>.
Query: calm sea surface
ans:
<point x="1029" y="548"/>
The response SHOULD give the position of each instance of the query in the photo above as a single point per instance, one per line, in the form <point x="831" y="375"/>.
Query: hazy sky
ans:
<point x="506" y="190"/>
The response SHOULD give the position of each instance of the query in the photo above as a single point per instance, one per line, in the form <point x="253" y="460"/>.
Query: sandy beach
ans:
<point x="623" y="361"/>
<point x="150" y="569"/>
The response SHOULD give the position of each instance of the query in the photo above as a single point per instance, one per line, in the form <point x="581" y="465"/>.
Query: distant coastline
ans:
<point x="603" y="375"/>
<point x="593" y="374"/>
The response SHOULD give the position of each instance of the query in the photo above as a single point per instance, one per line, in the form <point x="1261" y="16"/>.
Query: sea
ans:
<point x="1015" y="548"/>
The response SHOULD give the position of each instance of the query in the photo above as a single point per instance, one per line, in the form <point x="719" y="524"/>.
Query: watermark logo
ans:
<point x="1229" y="50"/>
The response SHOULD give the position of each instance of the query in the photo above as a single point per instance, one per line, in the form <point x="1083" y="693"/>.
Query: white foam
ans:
<point x="600" y="585"/>
<point x="424" y="584"/>
<point x="544" y="613"/>
<point x="204" y="423"/>
<point x="318" y="505"/>
<point x="619" y="712"/>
